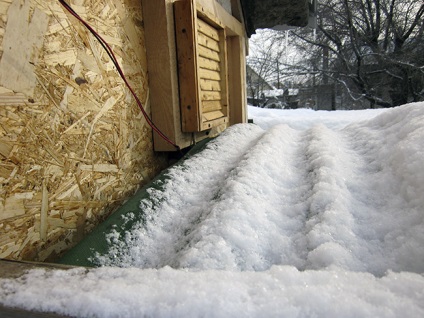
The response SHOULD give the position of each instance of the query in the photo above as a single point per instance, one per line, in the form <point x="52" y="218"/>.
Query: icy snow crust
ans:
<point x="305" y="214"/>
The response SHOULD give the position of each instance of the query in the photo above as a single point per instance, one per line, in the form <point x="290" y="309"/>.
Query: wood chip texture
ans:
<point x="73" y="143"/>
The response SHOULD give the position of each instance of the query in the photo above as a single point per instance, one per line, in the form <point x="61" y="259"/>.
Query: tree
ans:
<point x="262" y="62"/>
<point x="272" y="59"/>
<point x="372" y="47"/>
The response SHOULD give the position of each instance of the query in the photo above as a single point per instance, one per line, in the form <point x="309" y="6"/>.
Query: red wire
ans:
<point x="112" y="56"/>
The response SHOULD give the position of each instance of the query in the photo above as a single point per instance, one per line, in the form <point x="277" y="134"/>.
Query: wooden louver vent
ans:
<point x="202" y="68"/>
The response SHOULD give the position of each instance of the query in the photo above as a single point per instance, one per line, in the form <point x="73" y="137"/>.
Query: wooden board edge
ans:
<point x="162" y="71"/>
<point x="185" y="33"/>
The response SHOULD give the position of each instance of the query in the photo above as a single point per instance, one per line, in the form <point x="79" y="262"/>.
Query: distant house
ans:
<point x="74" y="143"/>
<point x="274" y="92"/>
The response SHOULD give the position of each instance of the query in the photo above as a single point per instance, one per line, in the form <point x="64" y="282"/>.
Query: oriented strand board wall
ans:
<point x="73" y="143"/>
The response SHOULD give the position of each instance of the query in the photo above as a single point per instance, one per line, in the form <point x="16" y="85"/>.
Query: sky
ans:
<point x="302" y="214"/>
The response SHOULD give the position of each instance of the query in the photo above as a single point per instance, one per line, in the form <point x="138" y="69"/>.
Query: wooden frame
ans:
<point x="202" y="68"/>
<point x="164" y="81"/>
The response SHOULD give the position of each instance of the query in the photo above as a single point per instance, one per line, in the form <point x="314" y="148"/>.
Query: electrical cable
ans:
<point x="112" y="56"/>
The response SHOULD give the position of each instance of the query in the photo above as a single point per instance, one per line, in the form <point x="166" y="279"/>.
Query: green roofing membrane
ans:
<point x="121" y="221"/>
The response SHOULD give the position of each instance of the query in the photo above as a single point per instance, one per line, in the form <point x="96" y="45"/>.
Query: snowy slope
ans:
<point x="304" y="214"/>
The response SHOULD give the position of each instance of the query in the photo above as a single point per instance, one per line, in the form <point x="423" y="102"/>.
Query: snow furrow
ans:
<point x="330" y="223"/>
<point x="174" y="211"/>
<point x="294" y="211"/>
<point x="260" y="228"/>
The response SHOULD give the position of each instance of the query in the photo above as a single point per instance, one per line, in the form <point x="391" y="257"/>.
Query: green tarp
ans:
<point x="96" y="242"/>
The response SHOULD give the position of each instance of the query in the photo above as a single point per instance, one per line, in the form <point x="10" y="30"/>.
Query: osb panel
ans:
<point x="79" y="146"/>
<point x="21" y="38"/>
<point x="4" y="7"/>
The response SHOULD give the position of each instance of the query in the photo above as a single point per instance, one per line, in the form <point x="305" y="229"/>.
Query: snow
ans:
<point x="282" y="291"/>
<point x="302" y="214"/>
<point x="275" y="92"/>
<point x="302" y="119"/>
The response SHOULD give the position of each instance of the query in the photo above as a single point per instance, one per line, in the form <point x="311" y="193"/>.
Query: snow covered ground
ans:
<point x="305" y="214"/>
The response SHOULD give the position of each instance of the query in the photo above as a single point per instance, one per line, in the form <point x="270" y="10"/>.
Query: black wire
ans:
<point x="112" y="56"/>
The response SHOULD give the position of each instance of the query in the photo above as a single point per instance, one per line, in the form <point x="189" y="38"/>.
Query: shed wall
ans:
<point x="73" y="143"/>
